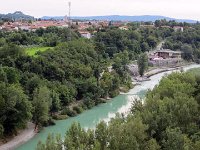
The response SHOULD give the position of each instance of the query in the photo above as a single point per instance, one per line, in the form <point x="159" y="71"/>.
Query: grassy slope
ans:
<point x="32" y="51"/>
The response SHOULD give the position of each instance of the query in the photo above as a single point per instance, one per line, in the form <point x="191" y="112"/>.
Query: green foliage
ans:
<point x="41" y="103"/>
<point x="35" y="50"/>
<point x="187" y="41"/>
<point x="187" y="52"/>
<point x="52" y="143"/>
<point x="142" y="63"/>
<point x="15" y="109"/>
<point x="67" y="111"/>
<point x="56" y="104"/>
<point x="12" y="75"/>
<point x="77" y="70"/>
<point x="112" y="41"/>
<point x="167" y="120"/>
<point x="78" y="109"/>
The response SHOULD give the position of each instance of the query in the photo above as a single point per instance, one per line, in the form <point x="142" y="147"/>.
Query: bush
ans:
<point x="114" y="93"/>
<point x="50" y="122"/>
<point x="89" y="103"/>
<point x="78" y="109"/>
<point x="67" y="111"/>
<point x="60" y="117"/>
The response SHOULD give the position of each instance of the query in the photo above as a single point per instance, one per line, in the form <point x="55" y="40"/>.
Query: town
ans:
<point x="85" y="27"/>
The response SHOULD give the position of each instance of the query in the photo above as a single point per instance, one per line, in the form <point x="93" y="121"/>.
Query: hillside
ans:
<point x="18" y="15"/>
<point x="122" y="18"/>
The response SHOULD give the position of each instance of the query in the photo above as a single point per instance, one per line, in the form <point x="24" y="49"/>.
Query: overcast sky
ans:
<point x="181" y="9"/>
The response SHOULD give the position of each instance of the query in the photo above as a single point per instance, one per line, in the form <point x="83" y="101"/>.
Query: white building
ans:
<point x="25" y="27"/>
<point x="85" y="34"/>
<point x="178" y="28"/>
<point x="123" y="28"/>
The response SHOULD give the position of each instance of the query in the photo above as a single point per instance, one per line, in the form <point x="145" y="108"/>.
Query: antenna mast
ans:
<point x="69" y="19"/>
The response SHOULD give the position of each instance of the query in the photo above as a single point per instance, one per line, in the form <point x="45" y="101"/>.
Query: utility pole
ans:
<point x="69" y="20"/>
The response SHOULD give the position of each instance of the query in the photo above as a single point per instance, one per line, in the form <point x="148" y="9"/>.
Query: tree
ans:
<point x="52" y="143"/>
<point x="101" y="133"/>
<point x="15" y="109"/>
<point x="187" y="52"/>
<point x="2" y="42"/>
<point x="76" y="138"/>
<point x="174" y="139"/>
<point x="41" y="104"/>
<point x="56" y="105"/>
<point x="3" y="75"/>
<point x="1" y="130"/>
<point x="152" y="41"/>
<point x="145" y="47"/>
<point x="12" y="74"/>
<point x="142" y="63"/>
<point x="11" y="50"/>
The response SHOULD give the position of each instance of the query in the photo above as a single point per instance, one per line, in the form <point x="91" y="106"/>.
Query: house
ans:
<point x="116" y="23"/>
<point x="165" y="57"/>
<point x="147" y="26"/>
<point x="85" y="34"/>
<point x="167" y="53"/>
<point x="178" y="28"/>
<point x="166" y="27"/>
<point x="24" y="27"/>
<point x="123" y="28"/>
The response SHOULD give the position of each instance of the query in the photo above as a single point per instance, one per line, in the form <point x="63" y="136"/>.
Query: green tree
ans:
<point x="174" y="139"/>
<point x="56" y="105"/>
<point x="142" y="63"/>
<point x="101" y="133"/>
<point x="3" y="75"/>
<point x="52" y="143"/>
<point x="15" y="109"/>
<point x="187" y="52"/>
<point x="152" y="41"/>
<point x="41" y="103"/>
<point x="76" y="138"/>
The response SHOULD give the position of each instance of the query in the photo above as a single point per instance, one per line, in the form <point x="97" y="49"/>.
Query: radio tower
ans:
<point x="69" y="19"/>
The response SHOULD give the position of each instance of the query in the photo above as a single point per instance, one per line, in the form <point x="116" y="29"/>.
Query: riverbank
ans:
<point x="103" y="112"/>
<point x="21" y="138"/>
<point x="29" y="133"/>
<point x="157" y="70"/>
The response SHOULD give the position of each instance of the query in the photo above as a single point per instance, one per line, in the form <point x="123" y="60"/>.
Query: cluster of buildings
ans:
<point x="31" y="26"/>
<point x="159" y="58"/>
<point x="165" y="58"/>
<point x="83" y="27"/>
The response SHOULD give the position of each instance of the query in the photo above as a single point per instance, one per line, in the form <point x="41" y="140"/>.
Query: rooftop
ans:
<point x="169" y="51"/>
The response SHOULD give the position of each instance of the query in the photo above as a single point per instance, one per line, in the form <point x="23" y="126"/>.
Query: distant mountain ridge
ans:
<point x="145" y="18"/>
<point x="18" y="15"/>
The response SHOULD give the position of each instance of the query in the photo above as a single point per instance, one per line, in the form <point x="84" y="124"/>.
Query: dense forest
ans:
<point x="168" y="119"/>
<point x="70" y="77"/>
<point x="187" y="41"/>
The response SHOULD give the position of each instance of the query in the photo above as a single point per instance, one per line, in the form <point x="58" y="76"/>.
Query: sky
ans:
<point x="180" y="9"/>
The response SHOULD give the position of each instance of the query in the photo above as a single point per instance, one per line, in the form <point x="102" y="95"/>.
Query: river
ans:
<point x="106" y="111"/>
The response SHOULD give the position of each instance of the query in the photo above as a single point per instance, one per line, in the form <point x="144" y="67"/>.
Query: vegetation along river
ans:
<point x="90" y="118"/>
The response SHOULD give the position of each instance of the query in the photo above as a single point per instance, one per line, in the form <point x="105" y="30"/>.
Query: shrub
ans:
<point x="78" y="109"/>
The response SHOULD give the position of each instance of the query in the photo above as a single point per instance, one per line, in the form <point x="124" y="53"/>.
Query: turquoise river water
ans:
<point x="89" y="118"/>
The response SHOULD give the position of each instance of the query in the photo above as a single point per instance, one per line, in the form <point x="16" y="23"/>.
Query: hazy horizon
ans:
<point x="179" y="9"/>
